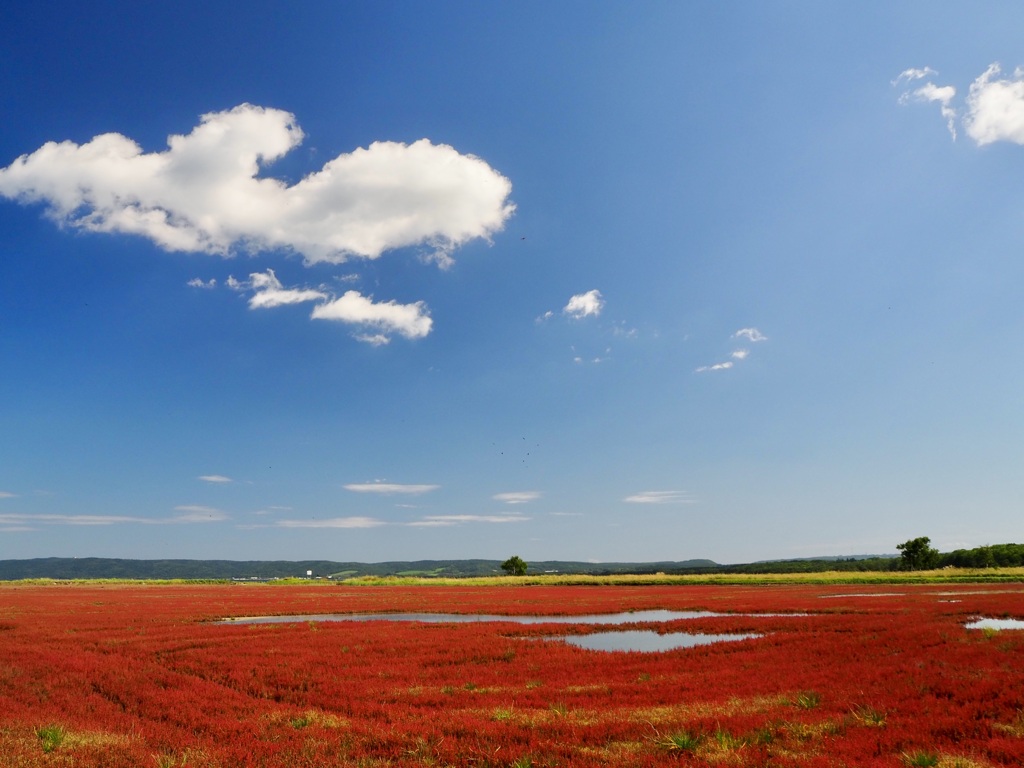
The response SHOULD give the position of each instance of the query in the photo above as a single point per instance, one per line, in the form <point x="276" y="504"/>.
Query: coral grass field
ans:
<point x="123" y="676"/>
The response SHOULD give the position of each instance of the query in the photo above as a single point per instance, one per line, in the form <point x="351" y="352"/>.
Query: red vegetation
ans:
<point x="135" y="676"/>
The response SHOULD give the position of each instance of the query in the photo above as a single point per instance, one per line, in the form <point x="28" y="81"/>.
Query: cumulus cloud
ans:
<point x="995" y="107"/>
<point x="993" y="110"/>
<point x="390" y="489"/>
<point x="740" y="354"/>
<point x="584" y="305"/>
<point x="215" y="479"/>
<point x="659" y="497"/>
<point x="197" y="282"/>
<point x="204" y="192"/>
<point x="517" y="497"/>
<point x="375" y="321"/>
<point x="383" y="318"/>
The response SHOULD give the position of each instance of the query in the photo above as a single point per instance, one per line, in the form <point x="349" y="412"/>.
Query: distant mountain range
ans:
<point x="115" y="568"/>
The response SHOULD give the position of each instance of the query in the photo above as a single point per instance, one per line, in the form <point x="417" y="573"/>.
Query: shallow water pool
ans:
<point x="464" y="618"/>
<point x="646" y="641"/>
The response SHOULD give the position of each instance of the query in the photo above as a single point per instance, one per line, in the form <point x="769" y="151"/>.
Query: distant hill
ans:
<point x="115" y="568"/>
<point x="1003" y="555"/>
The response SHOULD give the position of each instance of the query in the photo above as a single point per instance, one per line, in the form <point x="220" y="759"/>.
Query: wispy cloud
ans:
<point x="716" y="367"/>
<point x="750" y="334"/>
<point x="587" y="304"/>
<point x="192" y="513"/>
<point x="390" y="489"/>
<point x="189" y="514"/>
<point x="432" y="520"/>
<point x="332" y="522"/>
<point x="197" y="282"/>
<point x="753" y="335"/>
<point x="215" y="479"/>
<point x="517" y="497"/>
<point x="660" y="497"/>
<point x="7" y="495"/>
<point x="909" y="75"/>
<point x="268" y="291"/>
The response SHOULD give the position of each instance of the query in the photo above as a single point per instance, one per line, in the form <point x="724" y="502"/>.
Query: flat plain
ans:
<point x="119" y="675"/>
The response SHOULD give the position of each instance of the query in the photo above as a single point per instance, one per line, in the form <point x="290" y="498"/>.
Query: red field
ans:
<point x="129" y="676"/>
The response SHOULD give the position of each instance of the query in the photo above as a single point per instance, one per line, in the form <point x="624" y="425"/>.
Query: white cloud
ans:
<point x="995" y="108"/>
<point x="584" y="304"/>
<point x="204" y="192"/>
<point x="659" y="497"/>
<point x="716" y="367"/>
<point x="545" y="317"/>
<point x="190" y="514"/>
<point x="197" y="282"/>
<point x="382" y="318"/>
<point x="750" y="334"/>
<point x="455" y="519"/>
<point x="431" y="524"/>
<point x="909" y="75"/>
<point x="17" y="519"/>
<point x="517" y="497"/>
<point x="373" y="339"/>
<point x="269" y="292"/>
<point x="6" y="495"/>
<point x="738" y="355"/>
<point x="333" y="522"/>
<point x="390" y="489"/>
<point x="215" y="479"/>
<point x="943" y="95"/>
<point x="409" y="320"/>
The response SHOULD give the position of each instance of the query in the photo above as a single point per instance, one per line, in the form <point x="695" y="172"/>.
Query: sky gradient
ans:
<point x="590" y="281"/>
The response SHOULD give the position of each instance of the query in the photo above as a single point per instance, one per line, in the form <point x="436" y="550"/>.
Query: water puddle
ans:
<point x="863" y="594"/>
<point x="646" y="641"/>
<point x="984" y="623"/>
<point x="658" y="616"/>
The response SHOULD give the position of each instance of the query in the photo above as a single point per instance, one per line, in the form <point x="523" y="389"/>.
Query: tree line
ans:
<point x="918" y="555"/>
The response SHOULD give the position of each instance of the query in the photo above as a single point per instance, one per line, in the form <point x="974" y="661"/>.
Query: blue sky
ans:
<point x="586" y="280"/>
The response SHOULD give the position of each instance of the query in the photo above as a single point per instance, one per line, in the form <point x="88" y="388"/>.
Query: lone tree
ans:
<point x="917" y="554"/>
<point x="514" y="566"/>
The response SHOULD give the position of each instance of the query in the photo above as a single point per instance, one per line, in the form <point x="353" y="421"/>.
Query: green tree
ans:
<point x="515" y="566"/>
<point x="917" y="554"/>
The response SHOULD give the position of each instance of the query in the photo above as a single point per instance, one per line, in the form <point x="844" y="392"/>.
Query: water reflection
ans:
<point x="646" y="641"/>
<point x="465" y="618"/>
<point x="996" y="624"/>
